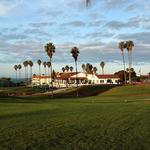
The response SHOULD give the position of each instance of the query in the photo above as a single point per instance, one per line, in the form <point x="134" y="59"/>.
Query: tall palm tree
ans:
<point x="48" y="65"/>
<point x="71" y="68"/>
<point x="25" y="63"/>
<point x="75" y="53"/>
<point x="67" y="68"/>
<point x="50" y="50"/>
<point x="129" y="46"/>
<point x="121" y="46"/>
<point x="87" y="68"/>
<point x="45" y="64"/>
<point x="31" y="65"/>
<point x="19" y="67"/>
<point x="83" y="67"/>
<point x="90" y="68"/>
<point x="94" y="70"/>
<point x="39" y="62"/>
<point x="16" y="68"/>
<point x="63" y="69"/>
<point x="102" y="64"/>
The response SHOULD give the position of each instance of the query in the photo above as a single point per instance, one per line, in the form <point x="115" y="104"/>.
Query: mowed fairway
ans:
<point x="118" y="119"/>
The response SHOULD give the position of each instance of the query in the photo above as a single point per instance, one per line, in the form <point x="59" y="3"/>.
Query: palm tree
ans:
<point x="31" y="65"/>
<point x="90" y="68"/>
<point x="102" y="64"/>
<point x="83" y="67"/>
<point x="94" y="70"/>
<point x="48" y="65"/>
<point x="121" y="46"/>
<point x="16" y="67"/>
<point x="87" y="68"/>
<point x="129" y="45"/>
<point x="25" y="63"/>
<point x="67" y="68"/>
<point x="75" y="53"/>
<point x="45" y="64"/>
<point x="50" y="50"/>
<point x="71" y="68"/>
<point x="19" y="67"/>
<point x="63" y="69"/>
<point x="39" y="62"/>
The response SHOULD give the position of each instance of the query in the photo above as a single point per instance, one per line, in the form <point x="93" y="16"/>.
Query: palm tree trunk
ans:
<point x="39" y="75"/>
<point x="45" y="76"/>
<point x="20" y="74"/>
<point x="76" y="77"/>
<point x="25" y="74"/>
<point x="16" y="78"/>
<point x="30" y="75"/>
<point x="125" y="78"/>
<point x="130" y="65"/>
<point x="48" y="76"/>
<point x="102" y="70"/>
<point x="51" y="76"/>
<point x="129" y="59"/>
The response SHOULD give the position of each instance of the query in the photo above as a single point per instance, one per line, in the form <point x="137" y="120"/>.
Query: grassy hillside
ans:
<point x="129" y="90"/>
<point x="95" y="123"/>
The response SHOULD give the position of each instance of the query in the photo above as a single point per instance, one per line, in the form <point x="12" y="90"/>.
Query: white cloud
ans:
<point x="6" y="6"/>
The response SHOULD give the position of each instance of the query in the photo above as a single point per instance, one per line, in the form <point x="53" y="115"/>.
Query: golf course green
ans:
<point x="116" y="119"/>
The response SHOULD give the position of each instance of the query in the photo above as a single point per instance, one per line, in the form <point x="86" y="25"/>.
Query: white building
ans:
<point x="70" y="78"/>
<point x="41" y="80"/>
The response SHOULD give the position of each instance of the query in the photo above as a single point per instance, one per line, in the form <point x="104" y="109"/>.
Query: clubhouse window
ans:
<point x="101" y="81"/>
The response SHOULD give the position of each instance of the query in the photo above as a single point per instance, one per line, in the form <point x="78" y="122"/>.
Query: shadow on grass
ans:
<point x="84" y="91"/>
<point x="24" y="114"/>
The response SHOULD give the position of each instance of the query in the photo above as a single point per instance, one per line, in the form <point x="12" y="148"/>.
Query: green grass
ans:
<point x="108" y="121"/>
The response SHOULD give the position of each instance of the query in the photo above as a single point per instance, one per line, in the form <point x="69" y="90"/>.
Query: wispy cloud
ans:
<point x="7" y="5"/>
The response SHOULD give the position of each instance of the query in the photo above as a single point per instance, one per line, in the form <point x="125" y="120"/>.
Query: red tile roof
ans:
<point x="66" y="75"/>
<point x="41" y="77"/>
<point x="80" y="78"/>
<point x="108" y="76"/>
<point x="145" y="76"/>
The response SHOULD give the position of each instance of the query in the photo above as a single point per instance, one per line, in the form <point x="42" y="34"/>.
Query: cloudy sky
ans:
<point x="25" y="26"/>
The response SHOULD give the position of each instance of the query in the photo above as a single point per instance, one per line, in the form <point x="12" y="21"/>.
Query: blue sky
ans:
<point x="25" y="26"/>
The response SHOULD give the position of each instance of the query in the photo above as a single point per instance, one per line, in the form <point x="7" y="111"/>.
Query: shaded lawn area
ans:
<point x="23" y="89"/>
<point x="100" y="122"/>
<point x="83" y="91"/>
